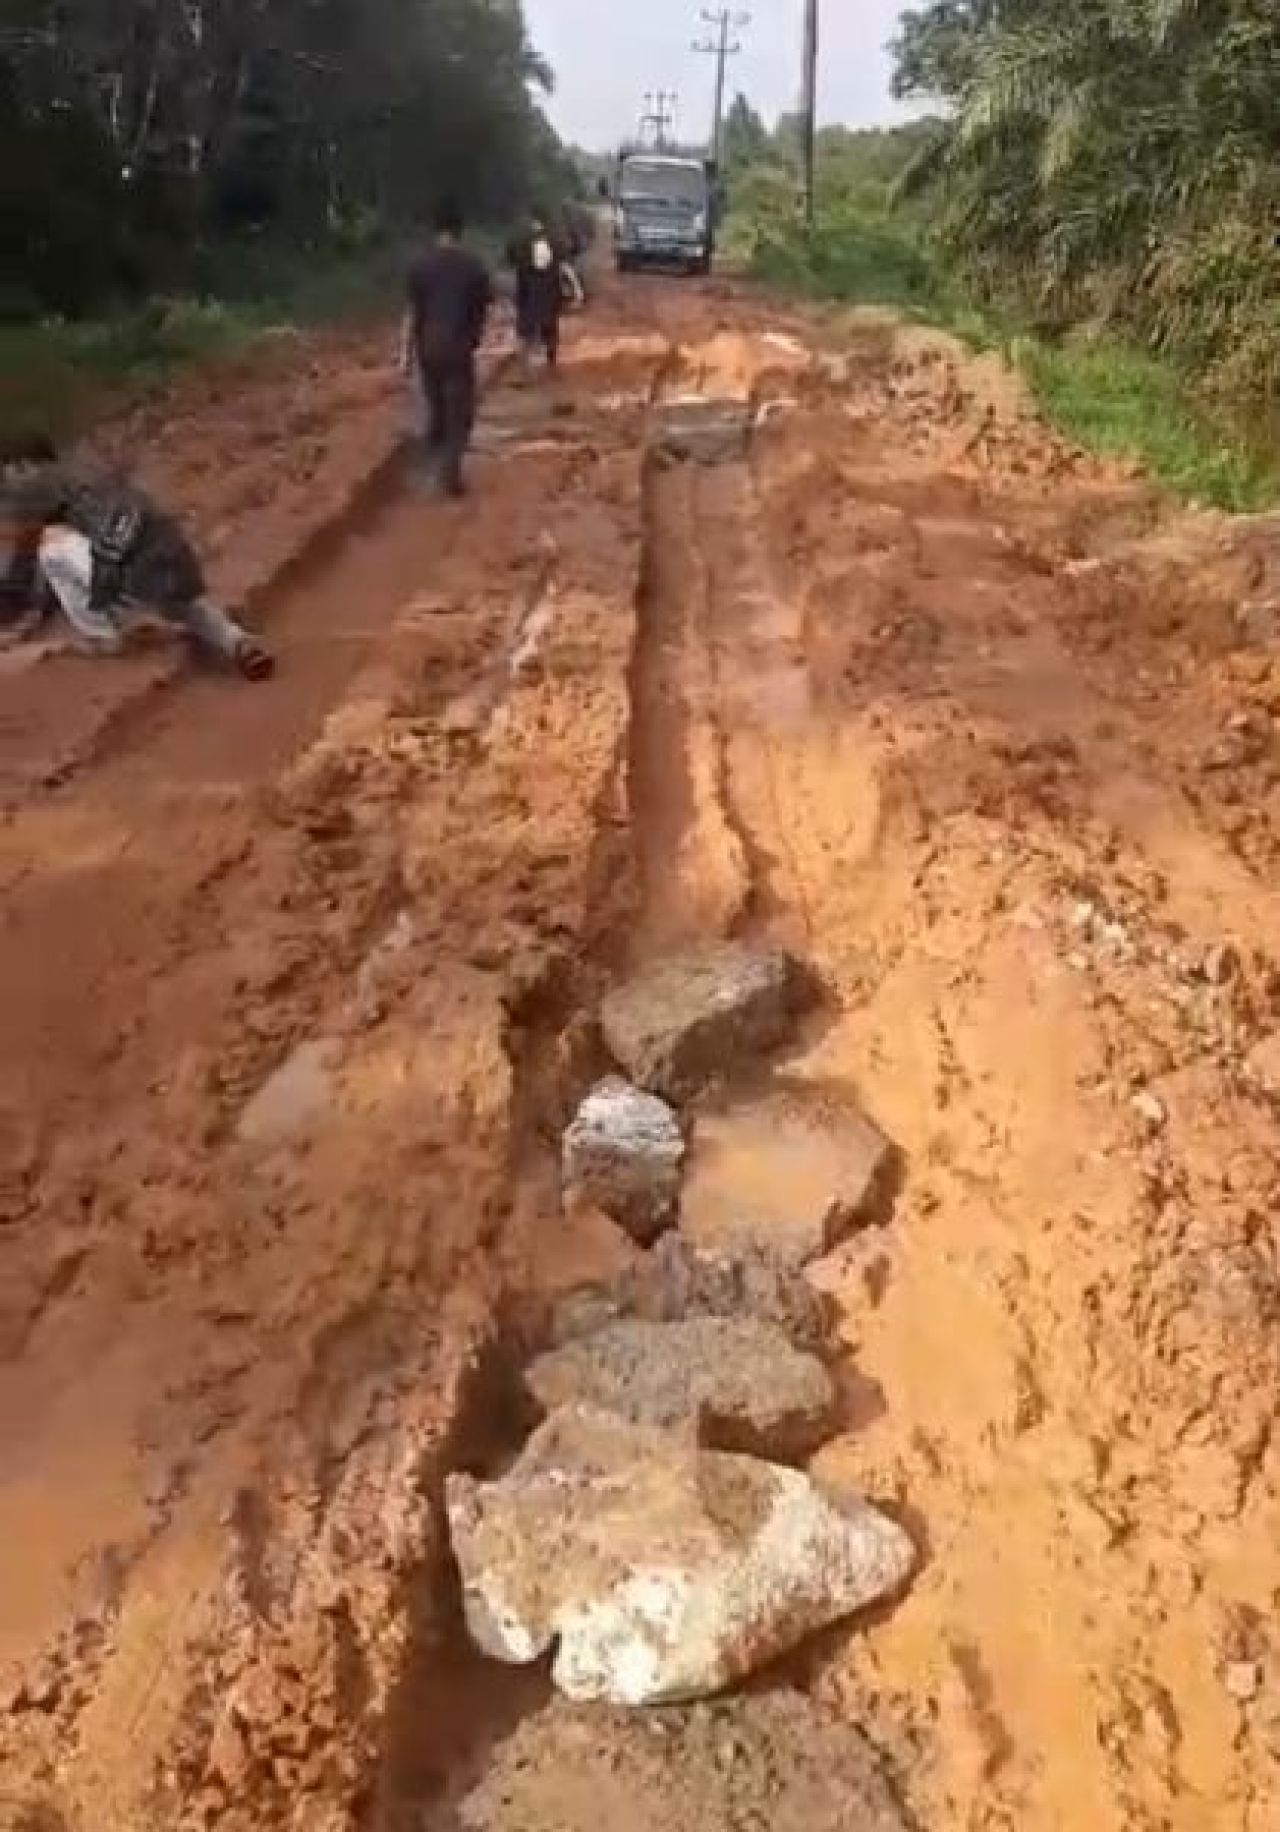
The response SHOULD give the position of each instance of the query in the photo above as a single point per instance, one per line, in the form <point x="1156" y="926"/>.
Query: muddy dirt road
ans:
<point x="298" y="989"/>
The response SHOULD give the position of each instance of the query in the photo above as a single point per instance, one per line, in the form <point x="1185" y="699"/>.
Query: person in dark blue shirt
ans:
<point x="450" y="294"/>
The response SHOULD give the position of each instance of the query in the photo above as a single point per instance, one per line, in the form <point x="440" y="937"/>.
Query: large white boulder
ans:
<point x="656" y="1570"/>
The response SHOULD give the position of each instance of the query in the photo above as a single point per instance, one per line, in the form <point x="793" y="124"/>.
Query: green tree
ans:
<point x="746" y="138"/>
<point x="132" y="133"/>
<point x="1113" y="160"/>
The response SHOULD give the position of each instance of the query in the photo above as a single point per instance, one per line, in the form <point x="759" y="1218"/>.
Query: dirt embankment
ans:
<point x="298" y="988"/>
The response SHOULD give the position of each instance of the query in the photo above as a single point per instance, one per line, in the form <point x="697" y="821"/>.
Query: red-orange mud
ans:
<point x="987" y="734"/>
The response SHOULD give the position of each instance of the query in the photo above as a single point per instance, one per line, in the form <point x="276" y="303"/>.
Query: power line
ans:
<point x="659" y="117"/>
<point x="809" y="105"/>
<point x="726" y="22"/>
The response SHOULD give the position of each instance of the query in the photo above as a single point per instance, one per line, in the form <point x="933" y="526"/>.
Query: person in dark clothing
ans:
<point x="538" y="258"/>
<point x="450" y="293"/>
<point x="95" y="546"/>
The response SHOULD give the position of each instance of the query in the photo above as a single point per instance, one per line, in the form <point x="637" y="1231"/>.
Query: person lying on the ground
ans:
<point x="450" y="295"/>
<point x="100" y="550"/>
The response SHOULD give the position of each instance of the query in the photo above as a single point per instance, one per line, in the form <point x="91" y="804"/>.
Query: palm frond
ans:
<point x="923" y="170"/>
<point x="1120" y="158"/>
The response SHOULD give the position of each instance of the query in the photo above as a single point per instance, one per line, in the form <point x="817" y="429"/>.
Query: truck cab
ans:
<point x="665" y="208"/>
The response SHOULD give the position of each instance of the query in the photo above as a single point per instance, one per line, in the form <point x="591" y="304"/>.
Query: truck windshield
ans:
<point x="643" y="181"/>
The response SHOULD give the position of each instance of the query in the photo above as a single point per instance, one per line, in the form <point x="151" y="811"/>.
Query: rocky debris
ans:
<point x="1150" y="1109"/>
<point x="777" y="1760"/>
<point x="1221" y="964"/>
<point x="797" y="354"/>
<point x="682" y="1022"/>
<point x="736" y="1381"/>
<point x="1105" y="931"/>
<point x="699" y="430"/>
<point x="584" y="1310"/>
<point x="779" y="408"/>
<point x="676" y="1281"/>
<point x="623" y="1152"/>
<point x="464" y="716"/>
<point x="39" y="1688"/>
<point x="659" y="1572"/>
<point x="294" y="1098"/>
<point x="858" y="1273"/>
<point x="785" y="1176"/>
<point x="1206" y="987"/>
<point x="1263" y="1064"/>
<point x="1258" y="622"/>
<point x="1231" y="751"/>
<point x="1243" y="1680"/>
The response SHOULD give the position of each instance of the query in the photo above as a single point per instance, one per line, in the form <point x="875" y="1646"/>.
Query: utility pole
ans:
<point x="719" y="46"/>
<point x="659" y="115"/>
<point x="809" y="106"/>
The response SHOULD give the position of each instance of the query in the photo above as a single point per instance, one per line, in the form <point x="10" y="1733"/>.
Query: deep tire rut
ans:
<point x="693" y="864"/>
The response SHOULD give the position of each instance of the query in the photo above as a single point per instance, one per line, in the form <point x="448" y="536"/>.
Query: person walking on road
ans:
<point x="450" y="294"/>
<point x="539" y="258"/>
<point x="102" y="551"/>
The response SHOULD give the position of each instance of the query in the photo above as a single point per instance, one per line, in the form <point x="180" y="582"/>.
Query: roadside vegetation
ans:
<point x="1098" y="194"/>
<point x="173" y="179"/>
<point x="55" y="371"/>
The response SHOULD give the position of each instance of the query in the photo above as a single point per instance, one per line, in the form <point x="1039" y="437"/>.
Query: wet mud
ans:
<point x="298" y="989"/>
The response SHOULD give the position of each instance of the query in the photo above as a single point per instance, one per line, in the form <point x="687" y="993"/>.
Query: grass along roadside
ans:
<point x="1106" y="394"/>
<point x="1115" y="398"/>
<point x="56" y="374"/>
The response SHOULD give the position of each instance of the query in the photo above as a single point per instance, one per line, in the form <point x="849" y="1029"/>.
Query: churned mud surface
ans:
<point x="297" y="988"/>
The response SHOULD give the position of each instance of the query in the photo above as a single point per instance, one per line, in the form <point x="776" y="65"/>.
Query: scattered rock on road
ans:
<point x="776" y="1760"/>
<point x="1263" y="1064"/>
<point x="737" y="1381"/>
<point x="682" y="1022"/>
<point x="294" y="1098"/>
<point x="1150" y="1109"/>
<point x="623" y="1152"/>
<point x="1243" y="1680"/>
<point x="1221" y="964"/>
<point x="658" y="1571"/>
<point x="785" y="1176"/>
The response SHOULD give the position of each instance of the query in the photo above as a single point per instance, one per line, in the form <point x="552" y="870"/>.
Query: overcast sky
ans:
<point x="606" y="53"/>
